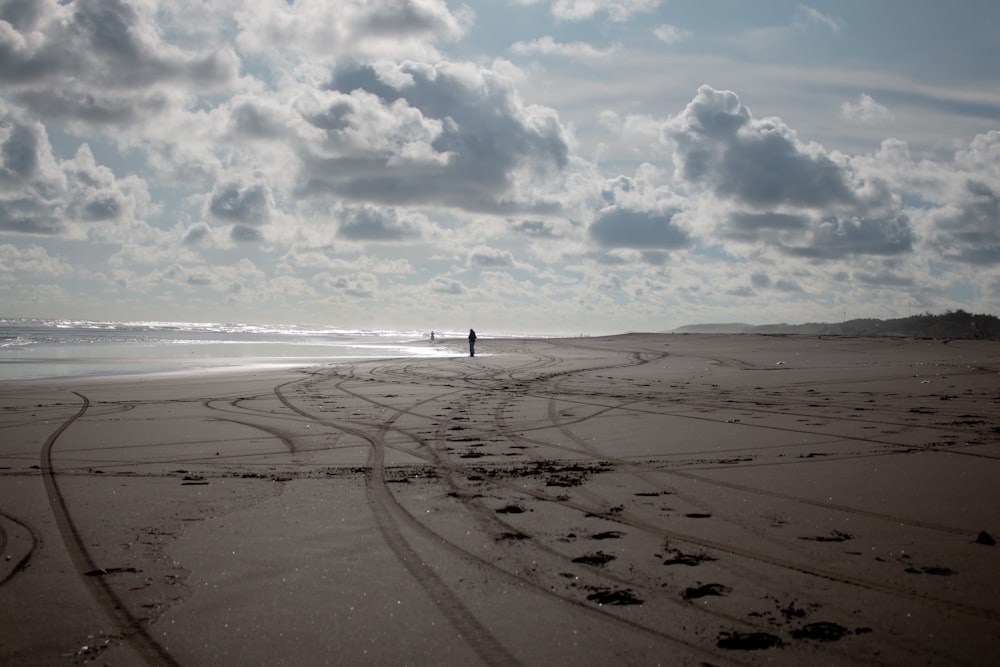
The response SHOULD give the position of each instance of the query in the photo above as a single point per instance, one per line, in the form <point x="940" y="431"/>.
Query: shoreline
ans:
<point x="712" y="498"/>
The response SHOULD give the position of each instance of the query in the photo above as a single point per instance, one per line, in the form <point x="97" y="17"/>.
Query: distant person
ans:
<point x="432" y="336"/>
<point x="472" y="343"/>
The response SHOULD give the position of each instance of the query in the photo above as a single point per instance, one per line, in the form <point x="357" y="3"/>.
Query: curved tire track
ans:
<point x="135" y="632"/>
<point x="388" y="515"/>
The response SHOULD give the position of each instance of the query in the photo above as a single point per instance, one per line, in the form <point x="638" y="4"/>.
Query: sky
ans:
<point x="516" y="166"/>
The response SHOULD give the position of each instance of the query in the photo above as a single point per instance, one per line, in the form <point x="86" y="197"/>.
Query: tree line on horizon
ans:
<point x="952" y="324"/>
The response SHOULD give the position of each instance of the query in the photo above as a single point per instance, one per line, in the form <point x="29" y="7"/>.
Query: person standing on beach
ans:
<point x="472" y="343"/>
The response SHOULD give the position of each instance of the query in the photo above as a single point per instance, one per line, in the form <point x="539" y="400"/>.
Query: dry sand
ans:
<point x="640" y="499"/>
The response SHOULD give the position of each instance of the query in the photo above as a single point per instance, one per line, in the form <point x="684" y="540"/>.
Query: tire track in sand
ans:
<point x="133" y="630"/>
<point x="388" y="516"/>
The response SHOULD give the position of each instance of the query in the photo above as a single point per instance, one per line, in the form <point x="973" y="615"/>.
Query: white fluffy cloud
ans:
<point x="43" y="195"/>
<point x="865" y="110"/>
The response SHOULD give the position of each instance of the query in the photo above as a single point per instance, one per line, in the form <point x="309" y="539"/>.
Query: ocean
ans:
<point x="33" y="349"/>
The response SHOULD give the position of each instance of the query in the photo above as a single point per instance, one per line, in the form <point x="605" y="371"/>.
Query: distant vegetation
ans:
<point x="953" y="324"/>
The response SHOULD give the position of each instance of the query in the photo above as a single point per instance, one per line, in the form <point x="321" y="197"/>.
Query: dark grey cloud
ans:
<point x="18" y="153"/>
<point x="21" y="14"/>
<point x="654" y="257"/>
<point x="969" y="231"/>
<point x="244" y="234"/>
<point x="839" y="238"/>
<point x="30" y="215"/>
<point x="447" y="286"/>
<point x="105" y="108"/>
<point x="196" y="234"/>
<point x="610" y="259"/>
<point x="368" y="223"/>
<point x="721" y="147"/>
<point x="754" y="227"/>
<point x="362" y="287"/>
<point x="486" y="136"/>
<point x="620" y="227"/>
<point x="42" y="195"/>
<point x="783" y="285"/>
<point x="93" y="59"/>
<point x="490" y="258"/>
<point x="405" y="17"/>
<point x="102" y="206"/>
<point x="250" y="120"/>
<point x="884" y="279"/>
<point x="246" y="204"/>
<point x="534" y="228"/>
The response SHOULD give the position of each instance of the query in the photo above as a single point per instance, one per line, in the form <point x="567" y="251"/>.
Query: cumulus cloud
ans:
<point x="490" y="258"/>
<point x="360" y="285"/>
<point x="32" y="259"/>
<point x="368" y="223"/>
<point x="357" y="29"/>
<point x="835" y="238"/>
<point x="414" y="133"/>
<point x="100" y="61"/>
<point x="764" y="226"/>
<point x="761" y="163"/>
<point x="866" y="110"/>
<point x="781" y="193"/>
<point x="41" y="194"/>
<point x="240" y="202"/>
<point x="968" y="230"/>
<point x="196" y="234"/>
<point x="619" y="227"/>
<point x="447" y="286"/>
<point x="245" y="234"/>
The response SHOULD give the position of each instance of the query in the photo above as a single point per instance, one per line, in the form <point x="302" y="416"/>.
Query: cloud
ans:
<point x="447" y="286"/>
<point x="838" y="238"/>
<point x="101" y="61"/>
<point x="866" y="111"/>
<point x="31" y="259"/>
<point x="196" y="234"/>
<point x="356" y="29"/>
<point x="40" y="194"/>
<point x="547" y="46"/>
<point x="883" y="279"/>
<point x="753" y="227"/>
<point x="360" y="285"/>
<point x="968" y="230"/>
<point x="618" y="227"/>
<point x="617" y="10"/>
<point x="539" y="229"/>
<point x="671" y="34"/>
<point x="759" y="163"/>
<point x="806" y="17"/>
<point x="245" y="234"/>
<point x="490" y="258"/>
<point x="368" y="223"/>
<point x="449" y="134"/>
<point x="245" y="203"/>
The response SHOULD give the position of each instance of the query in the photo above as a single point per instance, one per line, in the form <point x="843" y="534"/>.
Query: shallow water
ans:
<point x="32" y="349"/>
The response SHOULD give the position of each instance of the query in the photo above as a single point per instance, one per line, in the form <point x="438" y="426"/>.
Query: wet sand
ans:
<point x="635" y="499"/>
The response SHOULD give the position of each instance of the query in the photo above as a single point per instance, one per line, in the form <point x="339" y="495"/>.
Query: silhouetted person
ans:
<point x="472" y="343"/>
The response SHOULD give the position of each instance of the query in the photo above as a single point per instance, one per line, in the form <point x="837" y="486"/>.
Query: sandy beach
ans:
<point x="637" y="499"/>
